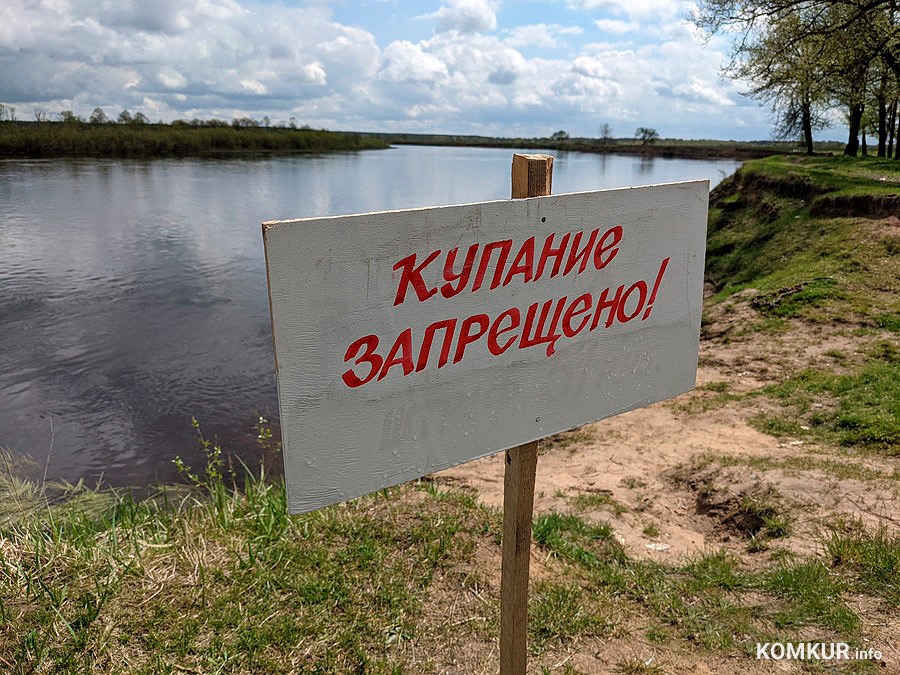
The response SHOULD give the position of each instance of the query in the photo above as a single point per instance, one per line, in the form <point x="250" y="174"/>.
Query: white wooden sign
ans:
<point x="410" y="341"/>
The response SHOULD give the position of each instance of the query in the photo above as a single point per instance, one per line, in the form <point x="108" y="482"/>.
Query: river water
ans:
<point x="133" y="293"/>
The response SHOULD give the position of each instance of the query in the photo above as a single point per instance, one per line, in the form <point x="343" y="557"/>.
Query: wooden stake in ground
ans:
<point x="532" y="176"/>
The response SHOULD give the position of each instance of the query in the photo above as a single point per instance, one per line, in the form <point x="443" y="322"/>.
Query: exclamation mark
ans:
<point x="659" y="276"/>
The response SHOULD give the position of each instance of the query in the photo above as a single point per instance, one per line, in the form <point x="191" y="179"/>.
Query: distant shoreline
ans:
<point x="47" y="140"/>
<point x="688" y="149"/>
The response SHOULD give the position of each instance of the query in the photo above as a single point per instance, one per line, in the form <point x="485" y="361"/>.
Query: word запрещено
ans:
<point x="575" y="315"/>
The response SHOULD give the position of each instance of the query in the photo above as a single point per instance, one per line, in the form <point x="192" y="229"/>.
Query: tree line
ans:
<point x="8" y="113"/>
<point x="809" y="59"/>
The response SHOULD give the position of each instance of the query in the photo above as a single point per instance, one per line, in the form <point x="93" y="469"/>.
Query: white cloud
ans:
<point x="542" y="35"/>
<point x="700" y="91"/>
<point x="640" y="10"/>
<point x="406" y="62"/>
<point x="254" y="87"/>
<point x="171" y="79"/>
<point x="466" y="16"/>
<point x="616" y="26"/>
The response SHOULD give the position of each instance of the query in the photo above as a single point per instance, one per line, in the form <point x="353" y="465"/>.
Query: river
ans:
<point x="133" y="292"/>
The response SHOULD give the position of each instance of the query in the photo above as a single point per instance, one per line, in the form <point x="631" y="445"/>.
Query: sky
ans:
<point x="486" y="67"/>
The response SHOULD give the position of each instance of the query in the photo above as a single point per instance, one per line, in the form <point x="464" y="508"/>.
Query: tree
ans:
<point x="7" y="112"/>
<point x="605" y="134"/>
<point x="41" y="115"/>
<point x="646" y="135"/>
<point x="873" y="22"/>
<point x="125" y="117"/>
<point x="140" y="118"/>
<point x="785" y="72"/>
<point x="847" y="69"/>
<point x="855" y="33"/>
<point x="98" y="116"/>
<point x="559" y="135"/>
<point x="69" y="117"/>
<point x="293" y="123"/>
<point x="266" y="121"/>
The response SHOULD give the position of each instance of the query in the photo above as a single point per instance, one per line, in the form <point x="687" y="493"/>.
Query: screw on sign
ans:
<point x="407" y="342"/>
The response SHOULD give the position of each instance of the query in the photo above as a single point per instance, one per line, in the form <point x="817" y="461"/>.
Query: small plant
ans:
<point x="651" y="530"/>
<point x="213" y="479"/>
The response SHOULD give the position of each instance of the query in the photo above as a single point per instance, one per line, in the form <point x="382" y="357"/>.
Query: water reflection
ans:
<point x="133" y="295"/>
<point x="645" y="165"/>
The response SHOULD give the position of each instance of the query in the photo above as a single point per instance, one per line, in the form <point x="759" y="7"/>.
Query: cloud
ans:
<point x="406" y="62"/>
<point x="615" y="26"/>
<point x="542" y="35"/>
<point x="695" y="90"/>
<point x="640" y="10"/>
<point x="466" y="16"/>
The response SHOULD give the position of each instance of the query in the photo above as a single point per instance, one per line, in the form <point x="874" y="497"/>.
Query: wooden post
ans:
<point x="532" y="176"/>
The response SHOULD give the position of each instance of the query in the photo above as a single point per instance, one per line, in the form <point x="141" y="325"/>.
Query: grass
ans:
<point x="558" y="612"/>
<point x="835" y="174"/>
<point x="58" y="139"/>
<point x="797" y="465"/>
<point x="767" y="233"/>
<point x="869" y="560"/>
<point x="220" y="579"/>
<point x="814" y="596"/>
<point x="598" y="500"/>
<point x="861" y="409"/>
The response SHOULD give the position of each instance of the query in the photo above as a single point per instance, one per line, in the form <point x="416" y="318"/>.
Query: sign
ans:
<point x="410" y="341"/>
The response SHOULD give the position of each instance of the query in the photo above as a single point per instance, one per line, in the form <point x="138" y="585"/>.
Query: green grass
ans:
<point x="837" y="174"/>
<point x="558" y="612"/>
<point x="797" y="465"/>
<point x="814" y="596"/>
<point x="889" y="321"/>
<point x="869" y="560"/>
<point x="598" y="500"/>
<point x="707" y="397"/>
<point x="58" y="139"/>
<point x="861" y="409"/>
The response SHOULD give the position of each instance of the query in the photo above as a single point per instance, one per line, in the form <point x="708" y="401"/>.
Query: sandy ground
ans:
<point x="650" y="461"/>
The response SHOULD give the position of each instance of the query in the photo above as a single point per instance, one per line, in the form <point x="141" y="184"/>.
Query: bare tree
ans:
<point x="605" y="134"/>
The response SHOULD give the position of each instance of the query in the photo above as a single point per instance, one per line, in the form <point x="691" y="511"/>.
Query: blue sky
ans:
<point x="448" y="66"/>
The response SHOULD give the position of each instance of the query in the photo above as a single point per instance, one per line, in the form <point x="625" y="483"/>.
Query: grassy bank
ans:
<point x="815" y="242"/>
<point x="79" y="139"/>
